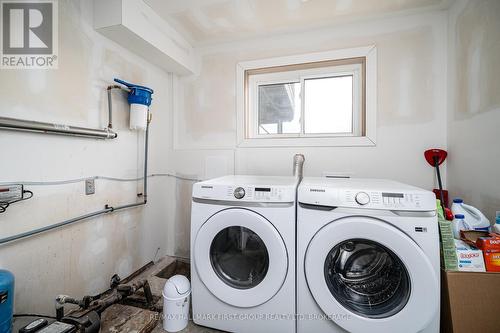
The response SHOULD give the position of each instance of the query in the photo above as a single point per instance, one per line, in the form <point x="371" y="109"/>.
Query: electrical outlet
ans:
<point x="89" y="186"/>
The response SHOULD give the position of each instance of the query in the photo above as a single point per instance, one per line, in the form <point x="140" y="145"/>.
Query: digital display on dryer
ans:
<point x="393" y="195"/>
<point x="262" y="189"/>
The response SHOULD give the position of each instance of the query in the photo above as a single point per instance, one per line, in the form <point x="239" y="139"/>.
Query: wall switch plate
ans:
<point x="89" y="186"/>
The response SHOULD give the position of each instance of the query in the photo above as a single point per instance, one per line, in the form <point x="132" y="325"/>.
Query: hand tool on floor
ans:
<point x="435" y="157"/>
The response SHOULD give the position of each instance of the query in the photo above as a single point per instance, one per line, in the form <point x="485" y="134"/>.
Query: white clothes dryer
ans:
<point x="367" y="257"/>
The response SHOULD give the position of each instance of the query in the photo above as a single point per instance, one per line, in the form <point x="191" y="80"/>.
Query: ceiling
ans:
<point x="205" y="22"/>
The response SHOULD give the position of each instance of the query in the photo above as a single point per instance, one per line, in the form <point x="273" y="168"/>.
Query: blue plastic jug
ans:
<point x="6" y="300"/>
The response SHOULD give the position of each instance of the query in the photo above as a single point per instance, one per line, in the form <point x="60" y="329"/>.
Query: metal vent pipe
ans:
<point x="298" y="166"/>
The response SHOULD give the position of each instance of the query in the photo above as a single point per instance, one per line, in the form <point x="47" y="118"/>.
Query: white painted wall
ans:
<point x="474" y="103"/>
<point x="412" y="55"/>
<point x="80" y="259"/>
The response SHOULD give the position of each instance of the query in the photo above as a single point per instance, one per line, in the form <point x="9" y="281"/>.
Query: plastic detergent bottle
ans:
<point x="496" y="227"/>
<point x="459" y="224"/>
<point x="472" y="216"/>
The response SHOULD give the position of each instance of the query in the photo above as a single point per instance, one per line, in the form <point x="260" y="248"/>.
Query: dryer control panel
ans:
<point x="365" y="193"/>
<point x="384" y="200"/>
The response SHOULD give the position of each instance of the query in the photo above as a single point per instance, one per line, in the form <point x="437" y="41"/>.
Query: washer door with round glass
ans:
<point x="368" y="276"/>
<point x="240" y="257"/>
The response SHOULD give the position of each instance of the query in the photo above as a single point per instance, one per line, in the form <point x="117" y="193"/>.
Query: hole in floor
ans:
<point x="179" y="266"/>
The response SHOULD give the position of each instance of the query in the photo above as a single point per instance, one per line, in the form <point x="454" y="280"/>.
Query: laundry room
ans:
<point x="249" y="166"/>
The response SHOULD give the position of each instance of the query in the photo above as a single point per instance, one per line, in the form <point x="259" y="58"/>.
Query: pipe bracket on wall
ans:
<point x="49" y="128"/>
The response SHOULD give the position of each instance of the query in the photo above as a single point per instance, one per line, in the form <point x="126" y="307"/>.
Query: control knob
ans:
<point x="239" y="192"/>
<point x="362" y="198"/>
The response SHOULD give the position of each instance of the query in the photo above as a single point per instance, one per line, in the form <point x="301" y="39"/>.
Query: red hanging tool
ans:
<point x="435" y="157"/>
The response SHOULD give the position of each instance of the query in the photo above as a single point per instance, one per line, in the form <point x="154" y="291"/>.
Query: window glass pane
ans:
<point x="328" y="105"/>
<point x="239" y="257"/>
<point x="279" y="108"/>
<point x="367" y="278"/>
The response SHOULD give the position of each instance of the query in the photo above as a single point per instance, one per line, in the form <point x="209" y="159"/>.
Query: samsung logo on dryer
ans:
<point x="207" y="186"/>
<point x="317" y="190"/>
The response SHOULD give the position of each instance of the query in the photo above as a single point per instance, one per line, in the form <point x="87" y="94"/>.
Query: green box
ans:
<point x="449" y="260"/>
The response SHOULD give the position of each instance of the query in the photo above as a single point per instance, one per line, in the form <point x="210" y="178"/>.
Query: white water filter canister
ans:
<point x="139" y="98"/>
<point x="138" y="116"/>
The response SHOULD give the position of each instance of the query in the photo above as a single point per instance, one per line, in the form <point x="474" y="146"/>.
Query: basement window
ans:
<point x="320" y="99"/>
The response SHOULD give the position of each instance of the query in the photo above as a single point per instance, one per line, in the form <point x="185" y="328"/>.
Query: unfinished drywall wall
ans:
<point x="81" y="258"/>
<point x="194" y="164"/>
<point x="411" y="98"/>
<point x="474" y="103"/>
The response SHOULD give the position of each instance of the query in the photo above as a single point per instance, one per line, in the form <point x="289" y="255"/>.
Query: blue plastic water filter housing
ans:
<point x="139" y="98"/>
<point x="6" y="300"/>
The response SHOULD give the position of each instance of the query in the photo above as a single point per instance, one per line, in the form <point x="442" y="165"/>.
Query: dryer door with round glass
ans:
<point x="368" y="276"/>
<point x="240" y="257"/>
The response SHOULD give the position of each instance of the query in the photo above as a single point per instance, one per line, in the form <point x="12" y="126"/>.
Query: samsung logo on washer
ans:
<point x="29" y="34"/>
<point x="316" y="190"/>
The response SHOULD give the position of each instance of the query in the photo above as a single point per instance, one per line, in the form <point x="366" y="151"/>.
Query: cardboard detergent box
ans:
<point x="469" y="258"/>
<point x="491" y="251"/>
<point x="470" y="302"/>
<point x="492" y="261"/>
<point x="489" y="243"/>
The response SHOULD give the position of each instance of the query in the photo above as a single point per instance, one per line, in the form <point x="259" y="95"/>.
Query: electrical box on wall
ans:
<point x="11" y="193"/>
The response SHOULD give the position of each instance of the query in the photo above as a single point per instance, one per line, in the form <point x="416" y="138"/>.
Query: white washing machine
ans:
<point x="243" y="253"/>
<point x="367" y="257"/>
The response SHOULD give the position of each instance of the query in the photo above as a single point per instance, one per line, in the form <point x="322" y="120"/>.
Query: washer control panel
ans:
<point x="251" y="193"/>
<point x="246" y="189"/>
<point x="246" y="193"/>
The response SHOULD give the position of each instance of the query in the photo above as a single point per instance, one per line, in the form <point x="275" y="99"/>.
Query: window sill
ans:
<point x="344" y="141"/>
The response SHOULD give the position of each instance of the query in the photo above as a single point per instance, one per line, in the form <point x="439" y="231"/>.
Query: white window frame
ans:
<point x="247" y="94"/>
